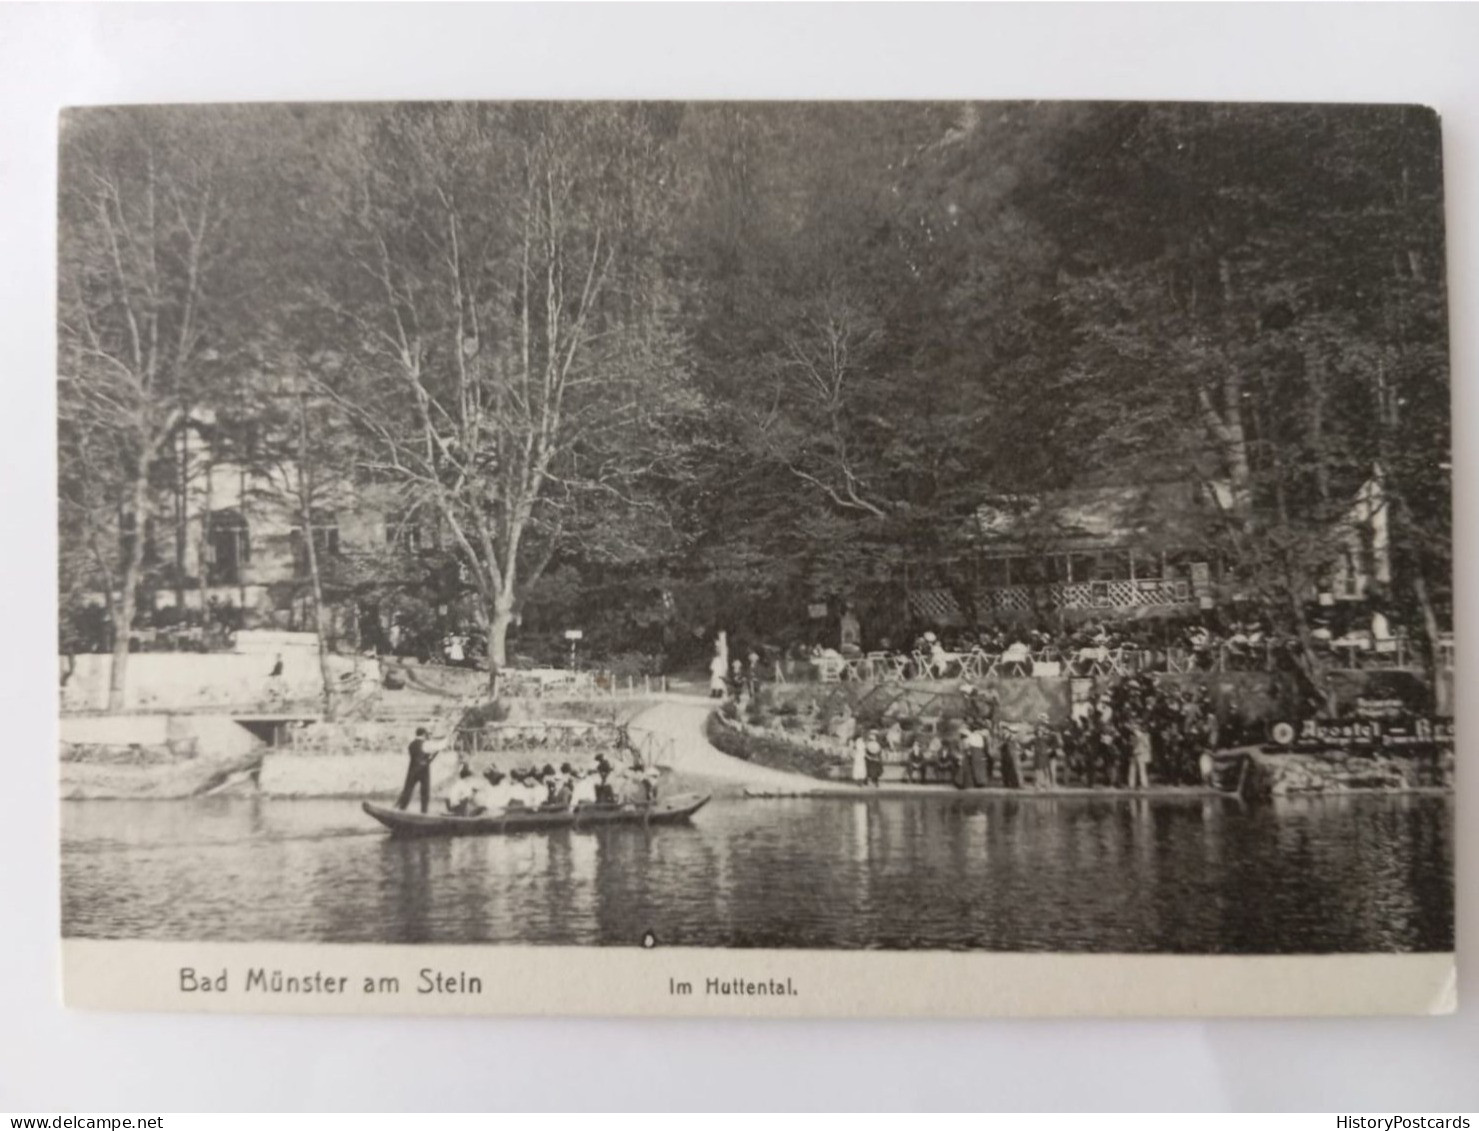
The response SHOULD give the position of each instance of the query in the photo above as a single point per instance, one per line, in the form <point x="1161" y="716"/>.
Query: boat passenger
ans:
<point x="583" y="790"/>
<point x="498" y="793"/>
<point x="462" y="799"/>
<point x="521" y="790"/>
<point x="603" y="789"/>
<point x="560" y="784"/>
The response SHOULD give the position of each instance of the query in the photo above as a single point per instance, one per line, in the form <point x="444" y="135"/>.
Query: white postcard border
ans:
<point x="327" y="978"/>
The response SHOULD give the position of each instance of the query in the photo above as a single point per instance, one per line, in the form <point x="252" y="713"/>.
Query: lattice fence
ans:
<point x="936" y="606"/>
<point x="1086" y="595"/>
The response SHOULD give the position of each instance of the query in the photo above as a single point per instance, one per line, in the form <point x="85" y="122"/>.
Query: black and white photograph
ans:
<point x="736" y="533"/>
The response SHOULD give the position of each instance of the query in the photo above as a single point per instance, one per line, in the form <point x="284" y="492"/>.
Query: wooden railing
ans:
<point x="1396" y="653"/>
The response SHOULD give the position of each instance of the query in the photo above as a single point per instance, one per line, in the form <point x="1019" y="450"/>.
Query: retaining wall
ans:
<point x="217" y="735"/>
<point x="1284" y="775"/>
<point x="181" y="681"/>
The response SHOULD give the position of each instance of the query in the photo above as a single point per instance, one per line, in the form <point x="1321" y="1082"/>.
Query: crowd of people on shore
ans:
<point x="1134" y="734"/>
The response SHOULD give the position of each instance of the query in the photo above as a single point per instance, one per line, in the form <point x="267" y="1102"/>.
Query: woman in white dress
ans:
<point x="860" y="760"/>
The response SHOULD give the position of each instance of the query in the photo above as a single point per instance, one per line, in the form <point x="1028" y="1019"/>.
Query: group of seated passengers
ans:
<point x="493" y="791"/>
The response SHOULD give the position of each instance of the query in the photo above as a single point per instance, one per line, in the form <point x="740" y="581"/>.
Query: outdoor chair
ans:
<point x="973" y="664"/>
<point x="1017" y="661"/>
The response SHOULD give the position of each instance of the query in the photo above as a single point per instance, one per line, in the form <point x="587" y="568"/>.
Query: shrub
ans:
<point x="770" y="750"/>
<point x="482" y="714"/>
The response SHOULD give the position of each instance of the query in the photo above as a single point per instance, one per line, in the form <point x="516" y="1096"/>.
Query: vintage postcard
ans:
<point x="780" y="559"/>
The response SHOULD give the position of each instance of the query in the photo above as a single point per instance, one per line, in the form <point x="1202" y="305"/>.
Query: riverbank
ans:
<point x="177" y="755"/>
<point x="181" y="756"/>
<point x="689" y="724"/>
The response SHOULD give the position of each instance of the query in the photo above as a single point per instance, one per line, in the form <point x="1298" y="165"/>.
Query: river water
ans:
<point x="1369" y="873"/>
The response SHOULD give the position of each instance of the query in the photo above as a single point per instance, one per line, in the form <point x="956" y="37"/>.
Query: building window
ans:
<point x="228" y="547"/>
<point x="409" y="530"/>
<point x="1349" y="577"/>
<point x="325" y="542"/>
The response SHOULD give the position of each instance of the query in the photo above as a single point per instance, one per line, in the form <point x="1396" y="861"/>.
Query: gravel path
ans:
<point x="682" y="720"/>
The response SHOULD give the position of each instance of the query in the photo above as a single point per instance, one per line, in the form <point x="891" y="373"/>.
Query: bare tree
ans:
<point x="513" y="365"/>
<point x="812" y="421"/>
<point x="139" y="218"/>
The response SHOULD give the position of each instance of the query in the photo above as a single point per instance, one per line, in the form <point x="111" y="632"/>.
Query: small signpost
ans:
<point x="573" y="635"/>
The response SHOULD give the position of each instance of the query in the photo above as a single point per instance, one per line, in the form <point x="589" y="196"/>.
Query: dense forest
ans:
<point x="677" y="365"/>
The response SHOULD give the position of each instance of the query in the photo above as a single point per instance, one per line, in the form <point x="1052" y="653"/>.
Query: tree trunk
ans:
<point x="123" y="611"/>
<point x="1432" y="660"/>
<point x="1313" y="667"/>
<point x="305" y="499"/>
<point x="182" y="518"/>
<point x="499" y="620"/>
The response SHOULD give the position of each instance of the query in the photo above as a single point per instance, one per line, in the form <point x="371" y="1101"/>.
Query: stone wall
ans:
<point x="1284" y="775"/>
<point x="184" y="681"/>
<point x="217" y="734"/>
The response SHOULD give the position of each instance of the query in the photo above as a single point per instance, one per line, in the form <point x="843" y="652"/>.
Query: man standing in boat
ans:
<point x="422" y="751"/>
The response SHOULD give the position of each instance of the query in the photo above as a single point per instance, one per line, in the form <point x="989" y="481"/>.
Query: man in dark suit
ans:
<point x="422" y="751"/>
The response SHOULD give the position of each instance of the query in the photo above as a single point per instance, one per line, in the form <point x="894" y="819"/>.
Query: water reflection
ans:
<point x="1103" y="874"/>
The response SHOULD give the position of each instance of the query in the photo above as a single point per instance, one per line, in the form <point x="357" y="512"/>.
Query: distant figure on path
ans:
<point x="873" y="758"/>
<point x="276" y="667"/>
<point x="1140" y="748"/>
<point x="1011" y="761"/>
<point x="422" y="752"/>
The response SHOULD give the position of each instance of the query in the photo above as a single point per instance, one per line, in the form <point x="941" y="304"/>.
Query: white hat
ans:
<point x="929" y="636"/>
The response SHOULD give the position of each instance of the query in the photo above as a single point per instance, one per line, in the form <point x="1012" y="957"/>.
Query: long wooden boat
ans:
<point x="665" y="811"/>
